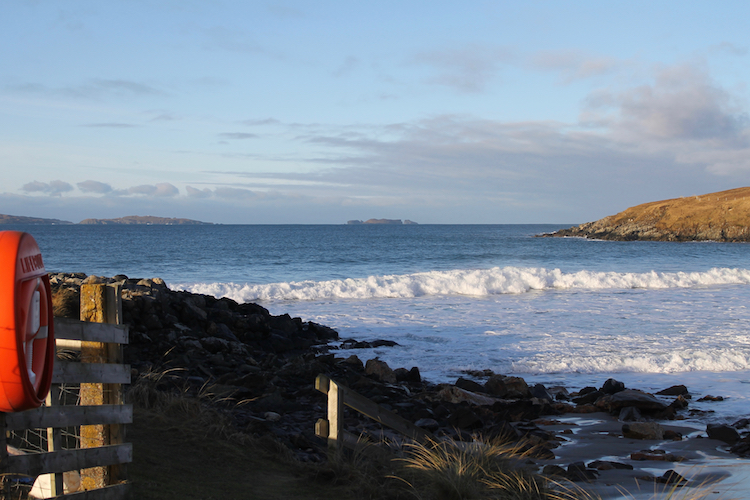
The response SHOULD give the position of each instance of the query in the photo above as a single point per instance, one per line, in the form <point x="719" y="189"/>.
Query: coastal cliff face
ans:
<point x="722" y="216"/>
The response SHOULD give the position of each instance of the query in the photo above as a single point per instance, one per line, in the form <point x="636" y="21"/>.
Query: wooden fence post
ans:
<point x="101" y="304"/>
<point x="333" y="426"/>
<point x="54" y="441"/>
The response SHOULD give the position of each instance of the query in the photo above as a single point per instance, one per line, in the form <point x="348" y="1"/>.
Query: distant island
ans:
<point x="130" y="219"/>
<point x="721" y="216"/>
<point x="147" y="219"/>
<point x="380" y="221"/>
<point x="20" y="219"/>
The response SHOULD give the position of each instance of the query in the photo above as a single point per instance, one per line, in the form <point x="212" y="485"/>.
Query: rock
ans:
<point x="465" y="418"/>
<point x="612" y="386"/>
<point x="675" y="390"/>
<point x="711" y="398"/>
<point x="541" y="392"/>
<point x="553" y="470"/>
<point x="429" y="424"/>
<point x="643" y="430"/>
<point x="380" y="370"/>
<point x="723" y="432"/>
<point x="507" y="387"/>
<point x="630" y="414"/>
<point x="606" y="465"/>
<point x="469" y="385"/>
<point x="630" y="397"/>
<point x="655" y="456"/>
<point x="588" y="397"/>
<point x="355" y="363"/>
<point x="453" y="394"/>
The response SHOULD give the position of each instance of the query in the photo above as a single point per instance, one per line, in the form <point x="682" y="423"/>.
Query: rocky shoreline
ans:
<point x="240" y="352"/>
<point x="722" y="216"/>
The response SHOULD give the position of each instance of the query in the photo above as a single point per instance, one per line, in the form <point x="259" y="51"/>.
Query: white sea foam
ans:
<point x="483" y="282"/>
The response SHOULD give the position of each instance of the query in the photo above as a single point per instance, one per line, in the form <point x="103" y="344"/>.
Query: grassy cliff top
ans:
<point x="721" y="216"/>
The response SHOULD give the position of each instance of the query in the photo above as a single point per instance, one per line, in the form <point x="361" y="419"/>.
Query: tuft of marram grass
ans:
<point x="448" y="470"/>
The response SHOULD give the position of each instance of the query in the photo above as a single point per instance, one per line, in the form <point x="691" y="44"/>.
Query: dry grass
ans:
<point x="177" y="424"/>
<point x="446" y="470"/>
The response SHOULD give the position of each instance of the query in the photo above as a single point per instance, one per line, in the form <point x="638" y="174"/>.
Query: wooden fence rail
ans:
<point x="339" y="395"/>
<point x="101" y="415"/>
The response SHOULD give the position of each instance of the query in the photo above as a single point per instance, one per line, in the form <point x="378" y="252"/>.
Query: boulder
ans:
<point x="723" y="432"/>
<point x="675" y="390"/>
<point x="453" y="394"/>
<point x="507" y="387"/>
<point x="541" y="392"/>
<point x="612" y="386"/>
<point x="630" y="397"/>
<point x="380" y="370"/>
<point x="469" y="385"/>
<point x="643" y="430"/>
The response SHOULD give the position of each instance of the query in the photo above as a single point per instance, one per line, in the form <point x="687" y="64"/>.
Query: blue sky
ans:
<point x="321" y="112"/>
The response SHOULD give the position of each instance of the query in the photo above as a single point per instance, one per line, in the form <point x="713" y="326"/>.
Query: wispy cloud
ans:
<point x="468" y="69"/>
<point x="110" y="125"/>
<point x="95" y="88"/>
<point x="574" y="65"/>
<point x="237" y="135"/>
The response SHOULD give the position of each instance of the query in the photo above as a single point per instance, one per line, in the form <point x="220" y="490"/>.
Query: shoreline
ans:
<point x="244" y="353"/>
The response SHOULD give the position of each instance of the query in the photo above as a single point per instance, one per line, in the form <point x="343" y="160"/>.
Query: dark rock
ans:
<point x="643" y="430"/>
<point x="429" y="424"/>
<point x="380" y="371"/>
<point x="606" y="465"/>
<point x="711" y="398"/>
<point x="588" y="397"/>
<point x="612" y="386"/>
<point x="507" y="387"/>
<point x="541" y="392"/>
<point x="629" y="397"/>
<point x="630" y="414"/>
<point x="553" y="470"/>
<point x="355" y="363"/>
<point x="383" y="343"/>
<point x="723" y="432"/>
<point x="469" y="385"/>
<point x="675" y="390"/>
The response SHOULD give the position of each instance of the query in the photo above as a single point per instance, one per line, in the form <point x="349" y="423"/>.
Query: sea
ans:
<point x="458" y="298"/>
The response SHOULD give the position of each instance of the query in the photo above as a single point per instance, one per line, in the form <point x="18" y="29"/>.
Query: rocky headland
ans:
<point x="130" y="219"/>
<point x="22" y="219"/>
<point x="240" y="353"/>
<point x="722" y="216"/>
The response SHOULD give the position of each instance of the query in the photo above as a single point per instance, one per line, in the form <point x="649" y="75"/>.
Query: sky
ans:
<point x="299" y="112"/>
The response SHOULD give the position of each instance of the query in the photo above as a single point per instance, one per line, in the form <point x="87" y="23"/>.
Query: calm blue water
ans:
<point x="566" y="311"/>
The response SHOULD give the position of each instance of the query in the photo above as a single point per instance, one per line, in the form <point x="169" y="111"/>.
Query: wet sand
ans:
<point x="707" y="464"/>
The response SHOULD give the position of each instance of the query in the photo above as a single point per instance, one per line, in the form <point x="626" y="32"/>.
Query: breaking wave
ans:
<point x="485" y="282"/>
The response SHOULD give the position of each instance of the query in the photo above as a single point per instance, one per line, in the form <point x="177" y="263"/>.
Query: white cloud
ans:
<point x="53" y="188"/>
<point x="198" y="193"/>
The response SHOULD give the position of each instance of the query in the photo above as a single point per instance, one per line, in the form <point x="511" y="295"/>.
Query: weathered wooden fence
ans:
<point x="332" y="427"/>
<point x="99" y="418"/>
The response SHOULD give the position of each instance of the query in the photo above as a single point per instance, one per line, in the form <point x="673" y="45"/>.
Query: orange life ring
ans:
<point x="27" y="340"/>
